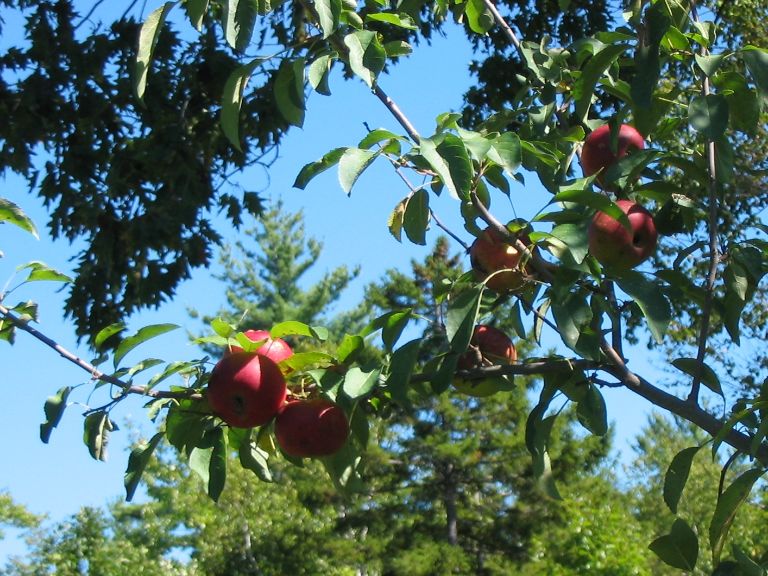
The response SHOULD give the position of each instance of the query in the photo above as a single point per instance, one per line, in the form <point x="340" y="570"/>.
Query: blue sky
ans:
<point x="59" y="478"/>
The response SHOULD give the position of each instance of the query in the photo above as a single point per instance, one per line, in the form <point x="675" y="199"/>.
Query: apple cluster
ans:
<point x="248" y="389"/>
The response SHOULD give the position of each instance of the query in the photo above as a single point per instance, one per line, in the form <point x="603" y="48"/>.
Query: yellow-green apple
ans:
<point x="311" y="428"/>
<point x="276" y="349"/>
<point x="490" y="253"/>
<point x="597" y="154"/>
<point x="246" y="389"/>
<point x="617" y="247"/>
<point x="487" y="346"/>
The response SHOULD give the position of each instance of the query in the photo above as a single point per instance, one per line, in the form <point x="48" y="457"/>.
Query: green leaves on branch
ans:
<point x="12" y="214"/>
<point x="366" y="55"/>
<point x="728" y="504"/>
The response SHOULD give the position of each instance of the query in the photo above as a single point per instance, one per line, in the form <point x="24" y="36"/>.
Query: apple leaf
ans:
<point x="709" y="115"/>
<point x="196" y="11"/>
<point x="148" y="36"/>
<point x="209" y="461"/>
<point x="393" y="326"/>
<point x="328" y="12"/>
<point x="593" y="70"/>
<point x="679" y="548"/>
<point x="141" y="336"/>
<point x="96" y="429"/>
<point x="232" y="100"/>
<point x="296" y="328"/>
<point x="254" y="458"/>
<point x="318" y="73"/>
<point x="238" y="21"/>
<point x="647" y="62"/>
<point x="694" y="368"/>
<point x="399" y="20"/>
<point x="506" y="151"/>
<point x="358" y="383"/>
<point x="106" y="333"/>
<point x="395" y="221"/>
<point x="677" y="476"/>
<point x="343" y="467"/>
<point x="651" y="300"/>
<point x="352" y="164"/>
<point x="592" y="413"/>
<point x="309" y="171"/>
<point x="289" y="91"/>
<point x="401" y="367"/>
<point x="461" y="316"/>
<point x="756" y="60"/>
<point x="54" y="409"/>
<point x="450" y="159"/>
<point x="41" y="272"/>
<point x="366" y="55"/>
<point x="479" y="17"/>
<point x="137" y="463"/>
<point x="572" y="314"/>
<point x="727" y="505"/>
<point x="416" y="217"/>
<point x="11" y="213"/>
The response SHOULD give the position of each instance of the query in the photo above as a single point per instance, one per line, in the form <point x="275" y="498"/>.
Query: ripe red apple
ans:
<point x="311" y="428"/>
<point x="597" y="156"/>
<point x="246" y="389"/>
<point x="488" y="346"/>
<point x="616" y="247"/>
<point x="490" y="253"/>
<point x="276" y="349"/>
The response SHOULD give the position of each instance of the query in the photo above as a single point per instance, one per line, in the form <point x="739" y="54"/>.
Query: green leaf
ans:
<point x="328" y="11"/>
<point x="575" y="238"/>
<point x="309" y="171"/>
<point x="584" y="87"/>
<point x="209" y="462"/>
<point x="358" y="382"/>
<point x="709" y="63"/>
<point x="40" y="271"/>
<point x="232" y="100"/>
<point x="393" y="325"/>
<point x="141" y="336"/>
<point x="592" y="413"/>
<point x="196" y="11"/>
<point x="295" y="328"/>
<point x="352" y="164"/>
<point x="506" y="150"/>
<point x="416" y="217"/>
<point x="677" y="476"/>
<point x="397" y="48"/>
<point x="300" y="361"/>
<point x="137" y="463"/>
<point x="170" y="369"/>
<point x="461" y="316"/>
<point x="366" y="55"/>
<point x="11" y="213"/>
<point x="54" y="409"/>
<point x="572" y="314"/>
<point x="399" y="20"/>
<point x="318" y="74"/>
<point x="727" y="505"/>
<point x="350" y="347"/>
<point x="651" y="300"/>
<point x="647" y="61"/>
<point x="709" y="115"/>
<point x="449" y="158"/>
<point x="96" y="429"/>
<point x="479" y="17"/>
<point x="289" y="91"/>
<point x="748" y="566"/>
<point x="679" y="548"/>
<point x="148" y="36"/>
<point x="238" y="21"/>
<point x="756" y="60"/>
<point x="693" y="368"/>
<point x="106" y="333"/>
<point x="401" y="367"/>
<point x="254" y="458"/>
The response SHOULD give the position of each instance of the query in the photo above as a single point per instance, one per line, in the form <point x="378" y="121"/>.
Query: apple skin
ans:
<point x="276" y="349"/>
<point x="596" y="154"/>
<point x="311" y="428"/>
<point x="246" y="389"/>
<point x="617" y="248"/>
<point x="489" y="253"/>
<point x="495" y="348"/>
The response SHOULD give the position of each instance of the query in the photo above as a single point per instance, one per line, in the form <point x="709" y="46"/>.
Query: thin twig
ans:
<point x="95" y="373"/>
<point x="510" y="34"/>
<point x="714" y="249"/>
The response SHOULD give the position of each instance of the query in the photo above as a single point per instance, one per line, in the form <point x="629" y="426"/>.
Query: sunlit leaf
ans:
<point x="148" y="36"/>
<point x="352" y="164"/>
<point x="54" y="410"/>
<point x="232" y="100"/>
<point x="11" y="213"/>
<point x="141" y="336"/>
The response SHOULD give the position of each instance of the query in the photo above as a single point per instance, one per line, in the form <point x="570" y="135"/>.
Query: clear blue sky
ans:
<point x="58" y="478"/>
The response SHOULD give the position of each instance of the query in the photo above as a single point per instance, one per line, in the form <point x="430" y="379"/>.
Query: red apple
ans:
<point x="246" y="389"/>
<point x="488" y="346"/>
<point x="276" y="349"/>
<point x="615" y="246"/>
<point x="311" y="428"/>
<point x="489" y="253"/>
<point x="597" y="155"/>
